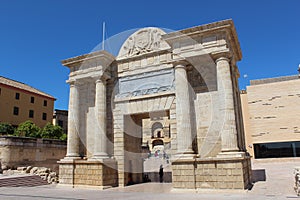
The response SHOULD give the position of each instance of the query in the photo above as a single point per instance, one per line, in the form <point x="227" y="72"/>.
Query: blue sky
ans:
<point x="35" y="35"/>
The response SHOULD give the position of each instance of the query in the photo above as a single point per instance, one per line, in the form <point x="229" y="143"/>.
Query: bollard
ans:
<point x="297" y="180"/>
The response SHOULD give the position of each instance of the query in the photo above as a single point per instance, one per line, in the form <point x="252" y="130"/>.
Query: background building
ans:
<point x="156" y="134"/>
<point x="20" y="102"/>
<point x="60" y="118"/>
<point x="271" y="116"/>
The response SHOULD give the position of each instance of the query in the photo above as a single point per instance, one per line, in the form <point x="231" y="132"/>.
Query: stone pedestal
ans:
<point x="183" y="174"/>
<point x="101" y="173"/>
<point x="213" y="173"/>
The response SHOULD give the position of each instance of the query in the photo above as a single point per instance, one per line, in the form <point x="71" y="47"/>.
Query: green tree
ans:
<point x="28" y="129"/>
<point x="6" y="129"/>
<point x="52" y="131"/>
<point x="63" y="137"/>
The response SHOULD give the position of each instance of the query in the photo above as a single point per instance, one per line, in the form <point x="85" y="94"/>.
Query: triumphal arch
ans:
<point x="181" y="86"/>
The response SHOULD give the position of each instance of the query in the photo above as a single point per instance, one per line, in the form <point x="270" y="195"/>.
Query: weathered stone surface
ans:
<point x="44" y="172"/>
<point x="185" y="80"/>
<point x="20" y="151"/>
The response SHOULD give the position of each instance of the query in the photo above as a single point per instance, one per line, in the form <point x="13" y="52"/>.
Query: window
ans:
<point x="31" y="113"/>
<point x="45" y="102"/>
<point x="32" y="100"/>
<point x="60" y="123"/>
<point x="17" y="95"/>
<point x="44" y="116"/>
<point x="277" y="149"/>
<point x="16" y="110"/>
<point x="158" y="134"/>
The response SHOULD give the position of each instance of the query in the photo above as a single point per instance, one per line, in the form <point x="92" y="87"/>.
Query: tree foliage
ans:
<point x="53" y="132"/>
<point x="28" y="129"/>
<point x="6" y="129"/>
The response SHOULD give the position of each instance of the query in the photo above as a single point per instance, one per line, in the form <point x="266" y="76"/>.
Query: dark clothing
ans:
<point x="161" y="174"/>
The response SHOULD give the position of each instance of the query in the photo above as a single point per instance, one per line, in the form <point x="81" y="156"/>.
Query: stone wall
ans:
<point x="208" y="124"/>
<point x="21" y="151"/>
<point x="101" y="174"/>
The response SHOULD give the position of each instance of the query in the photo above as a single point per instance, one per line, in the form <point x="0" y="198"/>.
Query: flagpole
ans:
<point x="103" y="35"/>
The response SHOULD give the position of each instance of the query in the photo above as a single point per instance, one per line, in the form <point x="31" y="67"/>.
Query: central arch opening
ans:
<point x="144" y="148"/>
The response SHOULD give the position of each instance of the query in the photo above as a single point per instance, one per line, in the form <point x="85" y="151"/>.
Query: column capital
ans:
<point x="222" y="56"/>
<point x="71" y="82"/>
<point x="101" y="78"/>
<point x="180" y="64"/>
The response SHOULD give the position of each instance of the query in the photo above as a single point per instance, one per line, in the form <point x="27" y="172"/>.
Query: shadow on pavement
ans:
<point x="258" y="175"/>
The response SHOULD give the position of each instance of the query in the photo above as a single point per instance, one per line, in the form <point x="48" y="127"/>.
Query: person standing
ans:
<point x="161" y="173"/>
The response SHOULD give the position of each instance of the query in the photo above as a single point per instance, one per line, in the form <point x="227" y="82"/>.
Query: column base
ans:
<point x="101" y="159"/>
<point x="99" y="156"/>
<point x="184" y="155"/>
<point x="101" y="174"/>
<point x="237" y="154"/>
<point x="70" y="158"/>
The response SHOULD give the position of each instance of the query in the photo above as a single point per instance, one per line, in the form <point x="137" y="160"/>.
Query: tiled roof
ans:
<point x="23" y="86"/>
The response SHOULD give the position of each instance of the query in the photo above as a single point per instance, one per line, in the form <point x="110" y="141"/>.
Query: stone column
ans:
<point x="183" y="112"/>
<point x="100" y="138"/>
<point x="225" y="90"/>
<point x="73" y="123"/>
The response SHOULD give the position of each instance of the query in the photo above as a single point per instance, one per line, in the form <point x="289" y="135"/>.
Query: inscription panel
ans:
<point x="146" y="83"/>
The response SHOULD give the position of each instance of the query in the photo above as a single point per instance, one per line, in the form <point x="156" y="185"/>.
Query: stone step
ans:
<point x="22" y="181"/>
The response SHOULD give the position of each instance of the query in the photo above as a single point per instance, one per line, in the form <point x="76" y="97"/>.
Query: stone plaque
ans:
<point x="146" y="83"/>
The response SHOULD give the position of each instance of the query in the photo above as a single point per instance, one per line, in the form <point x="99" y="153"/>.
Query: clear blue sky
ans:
<point x="35" y="35"/>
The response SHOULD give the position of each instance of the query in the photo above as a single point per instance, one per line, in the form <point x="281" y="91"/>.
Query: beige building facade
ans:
<point x="20" y="102"/>
<point x="178" y="88"/>
<point x="270" y="111"/>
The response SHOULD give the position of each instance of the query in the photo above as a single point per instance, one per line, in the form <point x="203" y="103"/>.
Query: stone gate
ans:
<point x="188" y="77"/>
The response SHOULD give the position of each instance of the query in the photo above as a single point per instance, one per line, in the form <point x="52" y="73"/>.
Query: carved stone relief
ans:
<point x="143" y="41"/>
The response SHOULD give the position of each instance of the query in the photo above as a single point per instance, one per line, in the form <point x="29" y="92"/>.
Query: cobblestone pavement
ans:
<point x="273" y="180"/>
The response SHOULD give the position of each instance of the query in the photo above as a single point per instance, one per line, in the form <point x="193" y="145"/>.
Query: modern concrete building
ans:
<point x="185" y="80"/>
<point x="20" y="102"/>
<point x="271" y="116"/>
